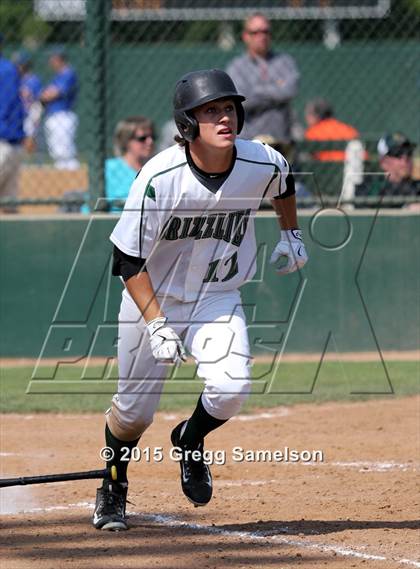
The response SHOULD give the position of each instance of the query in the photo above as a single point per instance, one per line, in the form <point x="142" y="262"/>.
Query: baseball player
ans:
<point x="183" y="246"/>
<point x="61" y="122"/>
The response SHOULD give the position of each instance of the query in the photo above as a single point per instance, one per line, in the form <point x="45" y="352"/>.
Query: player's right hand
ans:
<point x="165" y="343"/>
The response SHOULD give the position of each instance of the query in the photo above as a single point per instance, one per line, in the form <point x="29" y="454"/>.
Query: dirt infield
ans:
<point x="357" y="508"/>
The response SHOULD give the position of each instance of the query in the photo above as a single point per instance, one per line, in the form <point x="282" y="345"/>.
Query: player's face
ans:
<point x="218" y="123"/>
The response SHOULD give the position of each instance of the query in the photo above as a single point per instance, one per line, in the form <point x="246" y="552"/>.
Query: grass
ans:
<point x="62" y="390"/>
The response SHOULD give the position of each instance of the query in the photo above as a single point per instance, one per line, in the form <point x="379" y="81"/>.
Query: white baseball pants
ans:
<point x="214" y="332"/>
<point x="10" y="159"/>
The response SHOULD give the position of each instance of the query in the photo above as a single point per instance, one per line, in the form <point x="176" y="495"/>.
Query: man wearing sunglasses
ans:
<point x="395" y="153"/>
<point x="268" y="80"/>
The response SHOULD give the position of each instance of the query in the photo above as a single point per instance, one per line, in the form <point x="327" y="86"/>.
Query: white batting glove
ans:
<point x="166" y="344"/>
<point x="292" y="249"/>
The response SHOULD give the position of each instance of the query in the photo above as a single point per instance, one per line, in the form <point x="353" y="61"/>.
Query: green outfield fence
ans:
<point x="362" y="55"/>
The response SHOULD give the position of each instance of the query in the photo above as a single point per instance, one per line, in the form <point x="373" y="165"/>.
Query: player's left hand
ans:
<point x="292" y="248"/>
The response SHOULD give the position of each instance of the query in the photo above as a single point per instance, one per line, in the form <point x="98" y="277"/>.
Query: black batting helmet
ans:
<point x="199" y="87"/>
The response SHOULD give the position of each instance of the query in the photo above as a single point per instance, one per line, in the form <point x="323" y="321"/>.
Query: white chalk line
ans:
<point x="50" y="509"/>
<point x="280" y="412"/>
<point x="171" y="521"/>
<point x="362" y="465"/>
<point x="24" y="454"/>
<point x="368" y="466"/>
<point x="11" y="454"/>
<point x="223" y="483"/>
<point x="258" y="536"/>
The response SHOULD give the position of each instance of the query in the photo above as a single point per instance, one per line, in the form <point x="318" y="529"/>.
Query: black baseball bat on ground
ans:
<point x="24" y="480"/>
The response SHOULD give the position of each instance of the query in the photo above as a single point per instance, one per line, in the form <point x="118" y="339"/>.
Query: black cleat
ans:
<point x="110" y="507"/>
<point x="196" y="481"/>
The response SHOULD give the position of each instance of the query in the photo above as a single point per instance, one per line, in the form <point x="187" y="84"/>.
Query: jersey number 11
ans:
<point x="231" y="262"/>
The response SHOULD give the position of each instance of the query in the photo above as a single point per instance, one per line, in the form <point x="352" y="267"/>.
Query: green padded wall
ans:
<point x="360" y="288"/>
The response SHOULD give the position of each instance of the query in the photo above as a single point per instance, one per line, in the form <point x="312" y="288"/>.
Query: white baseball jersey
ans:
<point x="195" y="240"/>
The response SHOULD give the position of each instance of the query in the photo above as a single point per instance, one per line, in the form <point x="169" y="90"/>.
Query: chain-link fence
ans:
<point x="120" y="59"/>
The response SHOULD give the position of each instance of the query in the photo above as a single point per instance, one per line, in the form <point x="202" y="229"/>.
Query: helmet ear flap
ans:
<point x="187" y="125"/>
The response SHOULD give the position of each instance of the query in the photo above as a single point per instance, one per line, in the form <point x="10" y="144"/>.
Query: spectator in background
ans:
<point x="61" y="121"/>
<point x="269" y="81"/>
<point x="30" y="90"/>
<point x="11" y="130"/>
<point x="323" y="126"/>
<point x="396" y="160"/>
<point x="133" y="146"/>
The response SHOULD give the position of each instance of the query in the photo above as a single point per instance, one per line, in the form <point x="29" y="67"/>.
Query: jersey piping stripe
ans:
<point x="276" y="170"/>
<point x="273" y="177"/>
<point x="144" y="197"/>
<point x="256" y="162"/>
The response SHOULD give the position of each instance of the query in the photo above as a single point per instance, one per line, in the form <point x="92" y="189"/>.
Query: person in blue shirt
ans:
<point x="11" y="130"/>
<point x="61" y="121"/>
<point x="133" y="145"/>
<point x="30" y="90"/>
